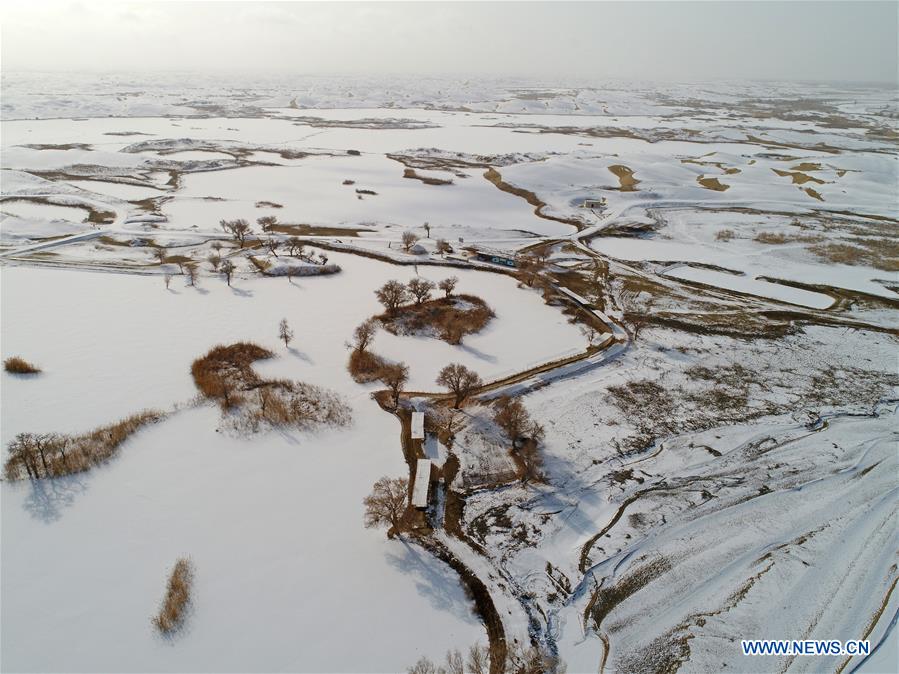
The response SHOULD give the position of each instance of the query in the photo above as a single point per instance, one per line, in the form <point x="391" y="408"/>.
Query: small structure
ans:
<point x="500" y="257"/>
<point x="422" y="484"/>
<point x="418" y="425"/>
<point x="594" y="203"/>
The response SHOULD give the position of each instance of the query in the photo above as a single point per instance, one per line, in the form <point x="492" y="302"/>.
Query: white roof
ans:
<point x="418" y="425"/>
<point x="421" y="484"/>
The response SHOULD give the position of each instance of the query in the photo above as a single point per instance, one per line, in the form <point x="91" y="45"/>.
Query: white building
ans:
<point x="422" y="484"/>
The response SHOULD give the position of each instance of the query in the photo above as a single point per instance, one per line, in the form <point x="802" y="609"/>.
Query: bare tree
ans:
<point x="477" y="662"/>
<point x="295" y="247"/>
<point x="591" y="333"/>
<point x="529" y="269"/>
<point x="323" y="258"/>
<point x="239" y="229"/>
<point x="443" y="247"/>
<point x="530" y="454"/>
<point x="424" y="666"/>
<point x="454" y="663"/>
<point x="392" y="295"/>
<point x="364" y="335"/>
<point x="168" y="280"/>
<point x="460" y="381"/>
<point x="420" y="289"/>
<point x="636" y="310"/>
<point x="216" y="246"/>
<point x="214" y="260"/>
<point x="272" y="244"/>
<point x="227" y="268"/>
<point x="409" y="239"/>
<point x="386" y="504"/>
<point x="284" y="332"/>
<point x="160" y="254"/>
<point x="267" y="223"/>
<point x="395" y="376"/>
<point x="427" y="228"/>
<point x="192" y="274"/>
<point x="448" y="285"/>
<point x="512" y="416"/>
<point x="290" y="273"/>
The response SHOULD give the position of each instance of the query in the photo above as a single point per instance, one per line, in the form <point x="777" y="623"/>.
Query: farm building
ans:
<point x="422" y="484"/>
<point x="500" y="257"/>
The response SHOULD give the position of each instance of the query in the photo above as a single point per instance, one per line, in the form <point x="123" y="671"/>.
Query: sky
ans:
<point x="563" y="41"/>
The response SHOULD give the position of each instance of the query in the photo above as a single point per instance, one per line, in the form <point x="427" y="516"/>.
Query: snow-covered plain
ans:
<point x="758" y="504"/>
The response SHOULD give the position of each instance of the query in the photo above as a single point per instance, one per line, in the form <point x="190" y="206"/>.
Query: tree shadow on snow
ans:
<point x="480" y="355"/>
<point x="435" y="581"/>
<point x="240" y="292"/>
<point x="296" y="353"/>
<point x="48" y="498"/>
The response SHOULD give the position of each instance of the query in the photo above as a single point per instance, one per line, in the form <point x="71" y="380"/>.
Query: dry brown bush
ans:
<point x="771" y="237"/>
<point x="448" y="318"/>
<point x="43" y="455"/>
<point x="725" y="234"/>
<point x="17" y="365"/>
<point x="177" y="598"/>
<point x="225" y="374"/>
<point x="365" y="366"/>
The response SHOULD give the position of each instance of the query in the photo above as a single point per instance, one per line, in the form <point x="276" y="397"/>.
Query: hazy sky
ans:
<point x="646" y="40"/>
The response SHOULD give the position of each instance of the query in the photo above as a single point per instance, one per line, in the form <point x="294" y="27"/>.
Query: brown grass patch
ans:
<point x="177" y="598"/>
<point x="798" y="177"/>
<point x="626" y="180"/>
<point x="43" y="455"/>
<point x="807" y="166"/>
<point x="225" y="374"/>
<point x="712" y="184"/>
<point x="16" y="365"/>
<point x="724" y="235"/>
<point x="313" y="230"/>
<point x="814" y="194"/>
<point x="447" y="318"/>
<point x="410" y="173"/>
<point x="365" y="366"/>
<point x="880" y="254"/>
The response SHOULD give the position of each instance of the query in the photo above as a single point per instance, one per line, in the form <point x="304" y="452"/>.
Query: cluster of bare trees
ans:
<point x="520" y="660"/>
<point x="393" y="294"/>
<point x="43" y="455"/>
<point x="525" y="434"/>
<point x="367" y="366"/>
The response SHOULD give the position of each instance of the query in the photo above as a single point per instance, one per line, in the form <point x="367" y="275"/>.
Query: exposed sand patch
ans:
<point x="813" y="193"/>
<point x="712" y="184"/>
<point x="626" y="180"/>
<point x="798" y="177"/>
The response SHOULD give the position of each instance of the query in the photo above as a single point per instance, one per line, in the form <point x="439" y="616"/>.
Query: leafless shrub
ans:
<point x="192" y="274"/>
<point x="386" y="504"/>
<point x="725" y="235"/>
<point x="214" y="260"/>
<point x="443" y="247"/>
<point x="167" y="279"/>
<point x="16" y="365"/>
<point x="177" y="598"/>
<point x="771" y="237"/>
<point x="272" y="244"/>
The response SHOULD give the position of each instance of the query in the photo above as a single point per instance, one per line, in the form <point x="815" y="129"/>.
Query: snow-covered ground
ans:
<point x="730" y="474"/>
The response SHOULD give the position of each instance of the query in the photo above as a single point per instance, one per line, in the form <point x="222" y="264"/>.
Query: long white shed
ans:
<point x="422" y="484"/>
<point x="418" y="425"/>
